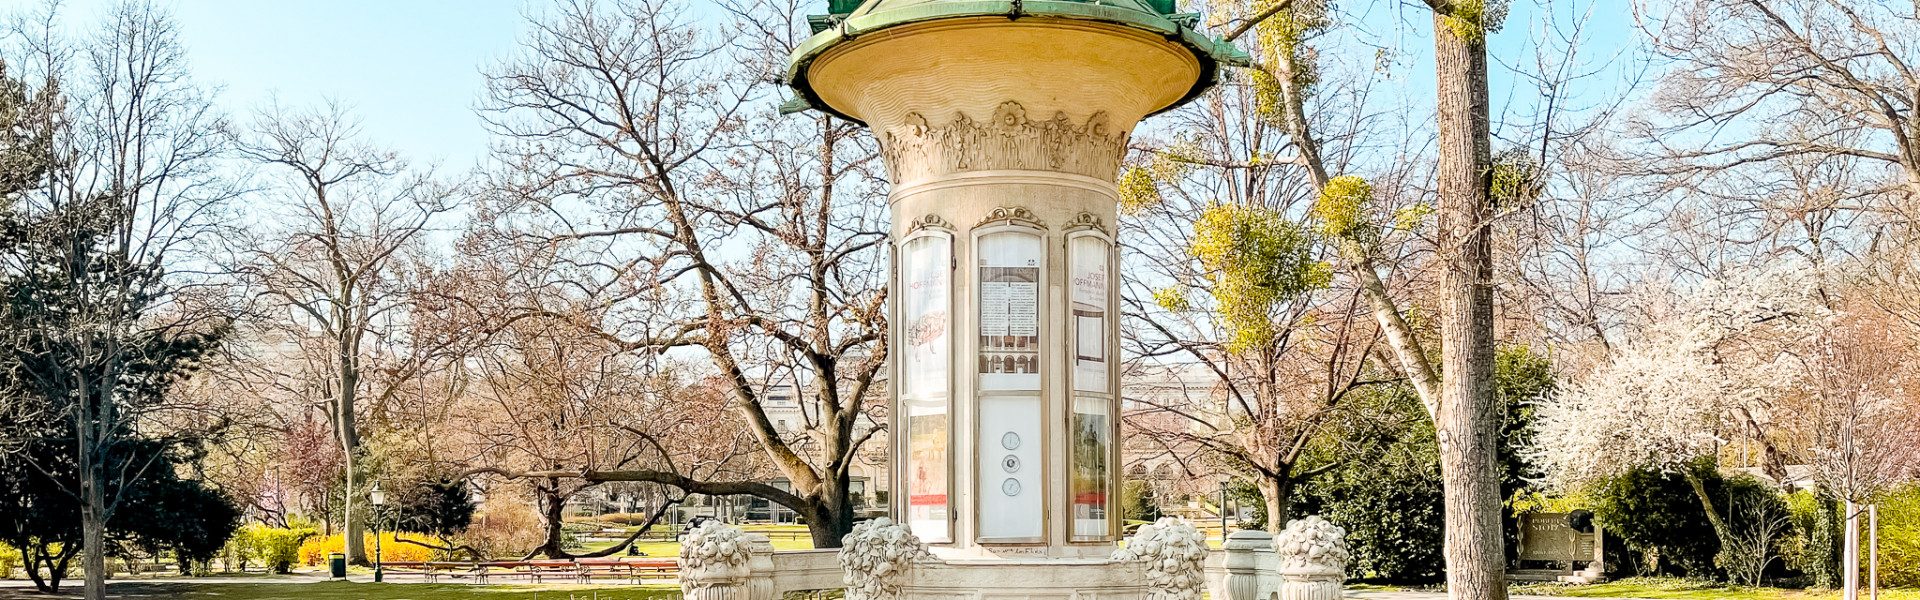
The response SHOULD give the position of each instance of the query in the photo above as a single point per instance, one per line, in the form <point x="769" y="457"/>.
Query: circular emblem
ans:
<point x="1011" y="463"/>
<point x="1010" y="487"/>
<point x="1010" y="441"/>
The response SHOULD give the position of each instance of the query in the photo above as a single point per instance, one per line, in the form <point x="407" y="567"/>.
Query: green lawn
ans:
<point x="1691" y="590"/>
<point x="335" y="590"/>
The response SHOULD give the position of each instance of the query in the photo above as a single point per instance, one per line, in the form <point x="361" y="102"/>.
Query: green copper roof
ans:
<point x="849" y="19"/>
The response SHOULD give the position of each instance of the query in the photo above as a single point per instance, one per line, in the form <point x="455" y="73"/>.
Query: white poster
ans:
<point x="926" y="284"/>
<point x="1087" y="268"/>
<point x="926" y="277"/>
<point x="1009" y="311"/>
<point x="1012" y="496"/>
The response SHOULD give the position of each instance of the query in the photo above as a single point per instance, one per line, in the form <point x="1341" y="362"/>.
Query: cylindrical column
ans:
<point x="1005" y="333"/>
<point x="1003" y="124"/>
<point x="1006" y="336"/>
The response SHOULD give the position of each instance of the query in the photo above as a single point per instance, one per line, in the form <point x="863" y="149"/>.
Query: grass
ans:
<point x="340" y="590"/>
<point x="1686" y="589"/>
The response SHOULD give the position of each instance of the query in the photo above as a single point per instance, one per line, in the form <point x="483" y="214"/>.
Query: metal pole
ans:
<point x="379" y="570"/>
<point x="1223" y="512"/>
<point x="1873" y="551"/>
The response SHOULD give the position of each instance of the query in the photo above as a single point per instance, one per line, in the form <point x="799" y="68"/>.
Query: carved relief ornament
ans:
<point x="921" y="149"/>
<point x="929" y="221"/>
<point x="1086" y="220"/>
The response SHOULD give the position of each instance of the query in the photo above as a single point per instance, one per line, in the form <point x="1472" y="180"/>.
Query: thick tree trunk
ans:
<point x="553" y="507"/>
<point x="93" y="533"/>
<point x="353" y="533"/>
<point x="832" y="517"/>
<point x="1467" y="420"/>
<point x="1277" y="494"/>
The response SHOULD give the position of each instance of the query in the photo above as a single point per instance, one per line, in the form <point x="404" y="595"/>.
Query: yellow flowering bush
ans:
<point x="315" y="550"/>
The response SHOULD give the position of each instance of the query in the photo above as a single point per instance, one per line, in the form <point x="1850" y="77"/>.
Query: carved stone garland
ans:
<point x="1173" y="551"/>
<point x="1009" y="140"/>
<point x="1313" y="559"/>
<point x="713" y="563"/>
<point x="874" y="557"/>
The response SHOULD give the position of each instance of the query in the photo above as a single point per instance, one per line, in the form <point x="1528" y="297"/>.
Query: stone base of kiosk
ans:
<point x="1036" y="579"/>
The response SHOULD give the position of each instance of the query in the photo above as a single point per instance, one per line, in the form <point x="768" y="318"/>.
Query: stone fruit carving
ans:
<point x="874" y="556"/>
<point x="713" y="554"/>
<point x="1173" y="551"/>
<point x="1312" y="543"/>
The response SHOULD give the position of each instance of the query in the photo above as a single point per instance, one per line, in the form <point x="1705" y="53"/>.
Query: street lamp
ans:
<point x="379" y="499"/>
<point x="1224" y="480"/>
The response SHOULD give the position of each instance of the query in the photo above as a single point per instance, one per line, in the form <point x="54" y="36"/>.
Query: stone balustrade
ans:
<point x="1306" y="562"/>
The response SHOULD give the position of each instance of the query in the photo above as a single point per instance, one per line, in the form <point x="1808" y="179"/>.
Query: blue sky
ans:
<point x="411" y="69"/>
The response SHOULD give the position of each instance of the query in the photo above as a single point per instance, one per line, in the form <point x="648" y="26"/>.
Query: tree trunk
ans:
<point x="1714" y="518"/>
<point x="93" y="533"/>
<point x="1277" y="494"/>
<point x="1467" y="420"/>
<point x="833" y="511"/>
<point x="553" y="507"/>
<point x="353" y="533"/>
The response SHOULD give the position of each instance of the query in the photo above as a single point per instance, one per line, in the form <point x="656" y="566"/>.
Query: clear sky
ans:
<point x="410" y="69"/>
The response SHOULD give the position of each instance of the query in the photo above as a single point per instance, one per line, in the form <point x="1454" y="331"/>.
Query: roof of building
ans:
<point x="847" y="20"/>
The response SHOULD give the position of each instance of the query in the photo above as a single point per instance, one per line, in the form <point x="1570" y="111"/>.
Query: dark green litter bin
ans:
<point x="337" y="565"/>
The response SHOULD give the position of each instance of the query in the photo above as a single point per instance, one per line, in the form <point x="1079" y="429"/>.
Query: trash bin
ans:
<point x="337" y="565"/>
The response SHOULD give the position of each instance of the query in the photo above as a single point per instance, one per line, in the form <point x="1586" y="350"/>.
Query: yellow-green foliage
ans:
<point x="1515" y="179"/>
<point x="1140" y="185"/>
<point x="1472" y="20"/>
<point x="1257" y="260"/>
<point x="1282" y="43"/>
<point x="1410" y="218"/>
<point x="9" y="561"/>
<point x="1341" y="210"/>
<point x="314" y="550"/>
<point x="1900" y="537"/>
<point x="273" y="547"/>
<point x="1138" y="192"/>
<point x="1172" y="299"/>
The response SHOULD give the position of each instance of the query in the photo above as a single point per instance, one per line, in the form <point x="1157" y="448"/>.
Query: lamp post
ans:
<point x="1223" y="508"/>
<point x="379" y="499"/>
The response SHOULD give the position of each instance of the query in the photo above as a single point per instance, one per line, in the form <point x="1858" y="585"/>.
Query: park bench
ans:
<point x="539" y="570"/>
<point x="653" y="568"/>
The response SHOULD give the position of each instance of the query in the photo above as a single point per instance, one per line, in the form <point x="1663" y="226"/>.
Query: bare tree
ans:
<point x="335" y="260"/>
<point x="635" y="147"/>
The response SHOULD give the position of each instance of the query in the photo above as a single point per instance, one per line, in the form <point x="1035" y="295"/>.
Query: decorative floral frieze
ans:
<point x="1173" y="551"/>
<point x="1009" y="139"/>
<point x="874" y="557"/>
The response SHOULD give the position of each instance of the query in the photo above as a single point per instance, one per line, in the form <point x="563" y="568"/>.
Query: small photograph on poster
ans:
<point x="1088" y="259"/>
<point x="1009" y="281"/>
